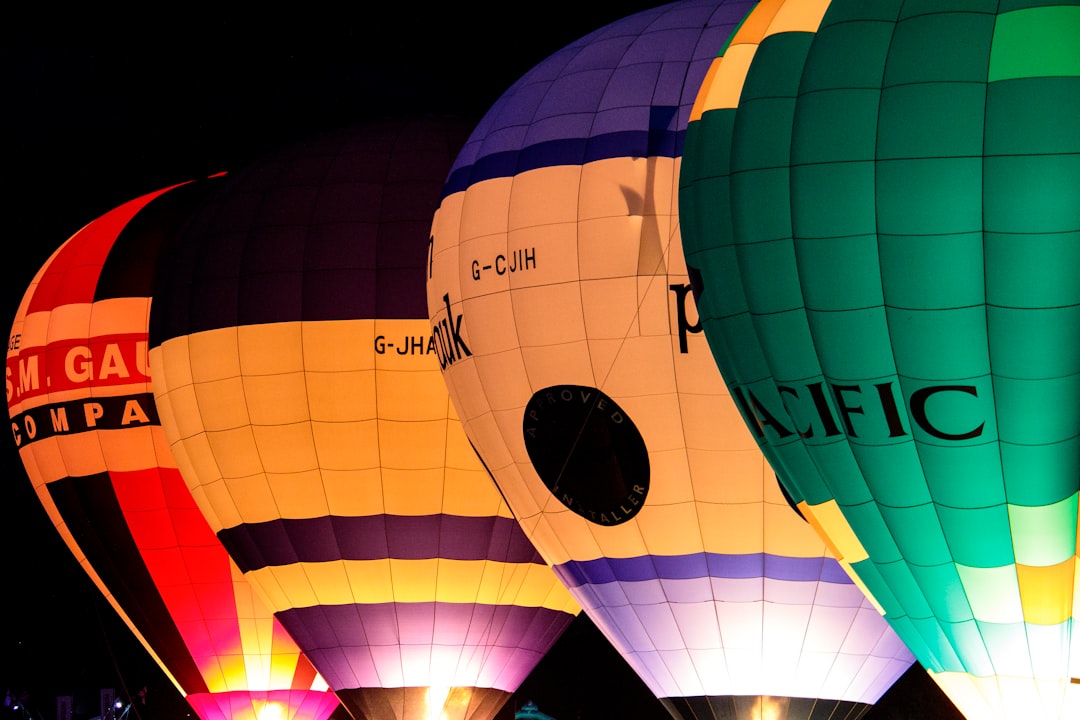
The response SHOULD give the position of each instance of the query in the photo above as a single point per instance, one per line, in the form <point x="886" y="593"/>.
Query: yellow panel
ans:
<point x="789" y="535"/>
<point x="329" y="582"/>
<point x="214" y="355"/>
<point x="545" y="196"/>
<point x="655" y="411"/>
<point x="286" y="448"/>
<point x="80" y="453"/>
<point x="1047" y="592"/>
<point x="184" y="405"/>
<point x="666" y="527"/>
<point x="802" y="16"/>
<point x="299" y="495"/>
<point x="42" y="461"/>
<point x="34" y="330"/>
<point x="993" y="593"/>
<point x="730" y="529"/>
<point x="235" y="452"/>
<point x="477" y="219"/>
<point x="270" y="348"/>
<point x="406" y="445"/>
<point x="459" y="452"/>
<point x="129" y="449"/>
<point x="69" y="321"/>
<point x="199" y="456"/>
<point x="726" y="477"/>
<point x="411" y="396"/>
<point x="118" y="316"/>
<point x="833" y="527"/>
<point x="218" y="405"/>
<point x="323" y="341"/>
<point x="346" y="446"/>
<point x="353" y="492"/>
<point x="405" y="345"/>
<point x="276" y="399"/>
<point x="256" y="501"/>
<point x="413" y="492"/>
<point x="170" y="366"/>
<point x="562" y="535"/>
<point x="217" y="505"/>
<point x="472" y="494"/>
<point x="671" y="479"/>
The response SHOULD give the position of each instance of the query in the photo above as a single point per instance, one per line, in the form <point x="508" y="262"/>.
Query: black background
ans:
<point x="100" y="109"/>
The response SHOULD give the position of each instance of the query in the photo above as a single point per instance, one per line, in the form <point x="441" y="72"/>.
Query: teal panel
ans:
<point x="1032" y="271"/>
<point x="740" y="353"/>
<point x="977" y="537"/>
<point x="777" y="67"/>
<point x="945" y="344"/>
<point x="929" y="196"/>
<point x="920" y="7"/>
<point x="931" y="120"/>
<point x="1010" y="5"/>
<point x="839" y="273"/>
<point x="844" y="11"/>
<point x="1032" y="194"/>
<point x="868" y="525"/>
<point x="917" y="532"/>
<point x="762" y="134"/>
<point x="725" y="299"/>
<point x="833" y="199"/>
<point x="893" y="473"/>
<point x="942" y="657"/>
<point x="854" y="344"/>
<point x="1041" y="474"/>
<point x="762" y="203"/>
<point x="965" y="640"/>
<point x="786" y="342"/>
<point x="1036" y="42"/>
<point x="965" y="475"/>
<point x="1036" y="116"/>
<point x="1007" y="645"/>
<point x="1036" y="343"/>
<point x="951" y="412"/>
<point x="1031" y="412"/>
<point x="924" y="272"/>
<point x="915" y="642"/>
<point x="940" y="47"/>
<point x="1044" y="535"/>
<point x="835" y="125"/>
<point x="770" y="276"/>
<point x="793" y="462"/>
<point x="847" y="55"/>
<point x="837" y="465"/>
<point x="943" y="591"/>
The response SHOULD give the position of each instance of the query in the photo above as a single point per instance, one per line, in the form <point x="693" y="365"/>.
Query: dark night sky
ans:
<point x="99" y="110"/>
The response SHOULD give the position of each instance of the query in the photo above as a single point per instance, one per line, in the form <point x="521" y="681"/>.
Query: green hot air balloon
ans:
<point x="881" y="203"/>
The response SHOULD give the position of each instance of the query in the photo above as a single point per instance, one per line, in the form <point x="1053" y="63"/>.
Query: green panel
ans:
<point x="978" y="537"/>
<point x="964" y="476"/>
<point x="994" y="593"/>
<point x="1036" y="42"/>
<point x="940" y="656"/>
<point x="1035" y="344"/>
<point x="930" y="196"/>
<point x="1031" y="412"/>
<point x="794" y="463"/>
<point x="868" y="525"/>
<point x="837" y="465"/>
<point x="1010" y="5"/>
<point x="777" y="67"/>
<point x="1035" y="116"/>
<point x="847" y="55"/>
<point x="770" y="276"/>
<point x="924" y="272"/>
<point x="917" y="533"/>
<point x="942" y="588"/>
<point x="835" y="125"/>
<point x="1041" y="474"/>
<point x="720" y="299"/>
<point x="1032" y="194"/>
<point x="966" y="640"/>
<point x="853" y="344"/>
<point x="845" y="10"/>
<point x="833" y="199"/>
<point x="893" y="473"/>
<point x="1007" y="645"/>
<point x="944" y="344"/>
<point x="931" y="120"/>
<point x="1044" y="535"/>
<point x="875" y="584"/>
<point x="786" y="342"/>
<point x="915" y="642"/>
<point x="940" y="47"/>
<point x="920" y="7"/>
<point x="762" y="134"/>
<point x="839" y="273"/>
<point x="1032" y="271"/>
<point x="761" y="205"/>
<point x="736" y="348"/>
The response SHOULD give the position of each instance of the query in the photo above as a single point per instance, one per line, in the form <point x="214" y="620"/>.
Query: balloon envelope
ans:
<point x="567" y="333"/>
<point x="883" y="210"/>
<point x="303" y="399"/>
<point x="86" y="425"/>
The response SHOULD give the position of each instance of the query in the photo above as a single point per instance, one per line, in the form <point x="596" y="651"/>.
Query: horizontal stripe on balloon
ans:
<point x="371" y="582"/>
<point x="402" y="644"/>
<point x="374" y="537"/>
<point x="717" y="565"/>
<point x="569" y="151"/>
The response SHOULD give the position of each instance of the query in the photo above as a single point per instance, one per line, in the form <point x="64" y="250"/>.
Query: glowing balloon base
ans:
<point x="763" y="707"/>
<point x="421" y="703"/>
<point x="264" y="705"/>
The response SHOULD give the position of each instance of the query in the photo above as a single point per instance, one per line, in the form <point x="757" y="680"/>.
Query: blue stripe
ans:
<point x="683" y="567"/>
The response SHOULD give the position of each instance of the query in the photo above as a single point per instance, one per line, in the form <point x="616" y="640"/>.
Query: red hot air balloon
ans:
<point x="303" y="400"/>
<point x="84" y="420"/>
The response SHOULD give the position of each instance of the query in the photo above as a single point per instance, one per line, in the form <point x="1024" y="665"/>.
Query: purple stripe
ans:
<point x="350" y="643"/>
<point x="374" y="537"/>
<point x="684" y="567"/>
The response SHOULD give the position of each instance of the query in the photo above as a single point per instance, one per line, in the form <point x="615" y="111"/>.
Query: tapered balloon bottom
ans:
<point x="762" y="707"/>
<point x="264" y="705"/>
<point x="423" y="703"/>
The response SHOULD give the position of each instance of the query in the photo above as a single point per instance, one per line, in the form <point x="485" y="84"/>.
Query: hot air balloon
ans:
<point x="882" y="203"/>
<point x="84" y="420"/>
<point x="566" y="329"/>
<point x="302" y="397"/>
